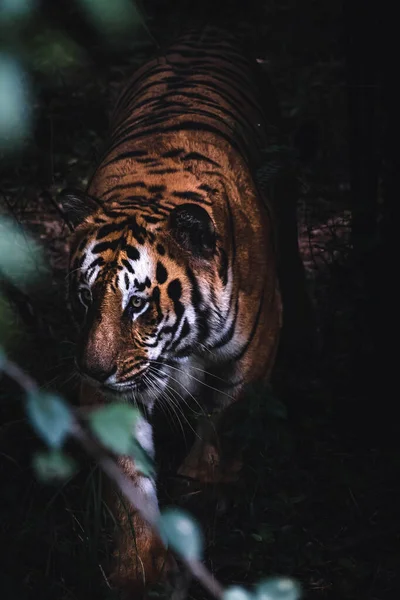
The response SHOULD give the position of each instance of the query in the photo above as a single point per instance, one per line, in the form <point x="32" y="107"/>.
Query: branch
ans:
<point x="110" y="467"/>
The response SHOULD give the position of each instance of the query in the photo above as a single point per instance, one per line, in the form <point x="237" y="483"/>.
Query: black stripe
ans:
<point x="201" y="314"/>
<point x="172" y="153"/>
<point x="162" y="171"/>
<point x="103" y="246"/>
<point x="148" y="161"/>
<point x="156" y="300"/>
<point x="182" y="126"/>
<point x="227" y="337"/>
<point x="156" y="189"/>
<point x="132" y="252"/>
<point x="201" y="157"/>
<point x="150" y="219"/>
<point x="128" y="265"/>
<point x="196" y="295"/>
<point x="208" y="188"/>
<point x="130" y="154"/>
<point x="105" y="230"/>
<point x="97" y="262"/>
<point x="161" y="273"/>
<point x="184" y="333"/>
<point x="122" y="186"/>
<point x="223" y="269"/>
<point x="231" y="228"/>
<point x="189" y="196"/>
<point x="242" y="352"/>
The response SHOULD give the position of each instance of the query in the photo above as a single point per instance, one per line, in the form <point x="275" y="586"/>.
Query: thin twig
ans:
<point x="110" y="467"/>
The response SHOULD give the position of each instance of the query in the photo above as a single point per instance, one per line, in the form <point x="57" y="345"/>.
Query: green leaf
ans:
<point x="113" y="18"/>
<point x="114" y="425"/>
<point x="143" y="462"/>
<point x="12" y="331"/>
<point x="236" y="593"/>
<point x="15" y="104"/>
<point x="20" y="257"/>
<point x="14" y="11"/>
<point x="53" y="465"/>
<point x="50" y="417"/>
<point x="53" y="51"/>
<point x="277" y="588"/>
<point x="181" y="532"/>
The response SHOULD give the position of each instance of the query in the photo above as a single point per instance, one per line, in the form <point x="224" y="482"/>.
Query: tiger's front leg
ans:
<point x="207" y="462"/>
<point x="209" y="459"/>
<point x="140" y="558"/>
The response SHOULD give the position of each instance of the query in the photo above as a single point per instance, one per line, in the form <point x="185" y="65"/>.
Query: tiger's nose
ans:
<point x="99" y="371"/>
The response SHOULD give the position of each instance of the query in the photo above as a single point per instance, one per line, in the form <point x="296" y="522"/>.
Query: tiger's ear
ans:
<point x="193" y="229"/>
<point x="77" y="205"/>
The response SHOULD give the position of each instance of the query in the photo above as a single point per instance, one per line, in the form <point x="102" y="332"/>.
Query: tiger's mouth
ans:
<point x="144" y="387"/>
<point x="135" y="383"/>
<point x="133" y="386"/>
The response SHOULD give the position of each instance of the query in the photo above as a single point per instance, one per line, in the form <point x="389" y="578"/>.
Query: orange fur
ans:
<point x="186" y="130"/>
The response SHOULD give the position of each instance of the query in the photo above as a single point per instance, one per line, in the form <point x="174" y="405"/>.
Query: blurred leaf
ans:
<point x="236" y="593"/>
<point x="50" y="416"/>
<point x="20" y="257"/>
<point x="114" y="425"/>
<point x="53" y="465"/>
<point x="15" y="104"/>
<point x="143" y="462"/>
<point x="3" y="356"/>
<point x="114" y="18"/>
<point x="277" y="588"/>
<point x="8" y="322"/>
<point x="182" y="533"/>
<point x="16" y="11"/>
<point x="52" y="51"/>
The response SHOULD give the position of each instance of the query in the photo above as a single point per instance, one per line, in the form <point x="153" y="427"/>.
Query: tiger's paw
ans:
<point x="139" y="569"/>
<point x="206" y="466"/>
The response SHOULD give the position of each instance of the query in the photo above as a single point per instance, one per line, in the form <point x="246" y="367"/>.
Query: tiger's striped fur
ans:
<point x="173" y="268"/>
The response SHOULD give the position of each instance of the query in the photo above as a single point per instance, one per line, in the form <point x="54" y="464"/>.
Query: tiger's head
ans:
<point x="141" y="288"/>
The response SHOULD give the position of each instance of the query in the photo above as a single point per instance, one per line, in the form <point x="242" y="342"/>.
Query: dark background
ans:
<point x="318" y="496"/>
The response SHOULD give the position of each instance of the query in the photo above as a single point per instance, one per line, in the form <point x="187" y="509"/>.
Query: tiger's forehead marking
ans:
<point x="133" y="267"/>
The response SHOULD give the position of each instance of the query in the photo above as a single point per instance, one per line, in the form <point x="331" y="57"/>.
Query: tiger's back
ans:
<point x="203" y="84"/>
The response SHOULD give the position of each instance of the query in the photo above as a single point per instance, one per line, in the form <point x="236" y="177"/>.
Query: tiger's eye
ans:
<point x="137" y="303"/>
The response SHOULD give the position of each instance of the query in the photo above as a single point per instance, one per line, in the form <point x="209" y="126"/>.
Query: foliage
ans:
<point x="277" y="589"/>
<point x="180" y="531"/>
<point x="113" y="427"/>
<point x="21" y="258"/>
<point x="326" y="509"/>
<point x="28" y="43"/>
<point x="116" y="19"/>
<point x="50" y="417"/>
<point x="53" y="465"/>
<point x="15" y="103"/>
<point x="8" y="324"/>
<point x="236" y="593"/>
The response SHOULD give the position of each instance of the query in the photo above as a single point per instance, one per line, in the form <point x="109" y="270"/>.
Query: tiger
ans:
<point x="173" y="272"/>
